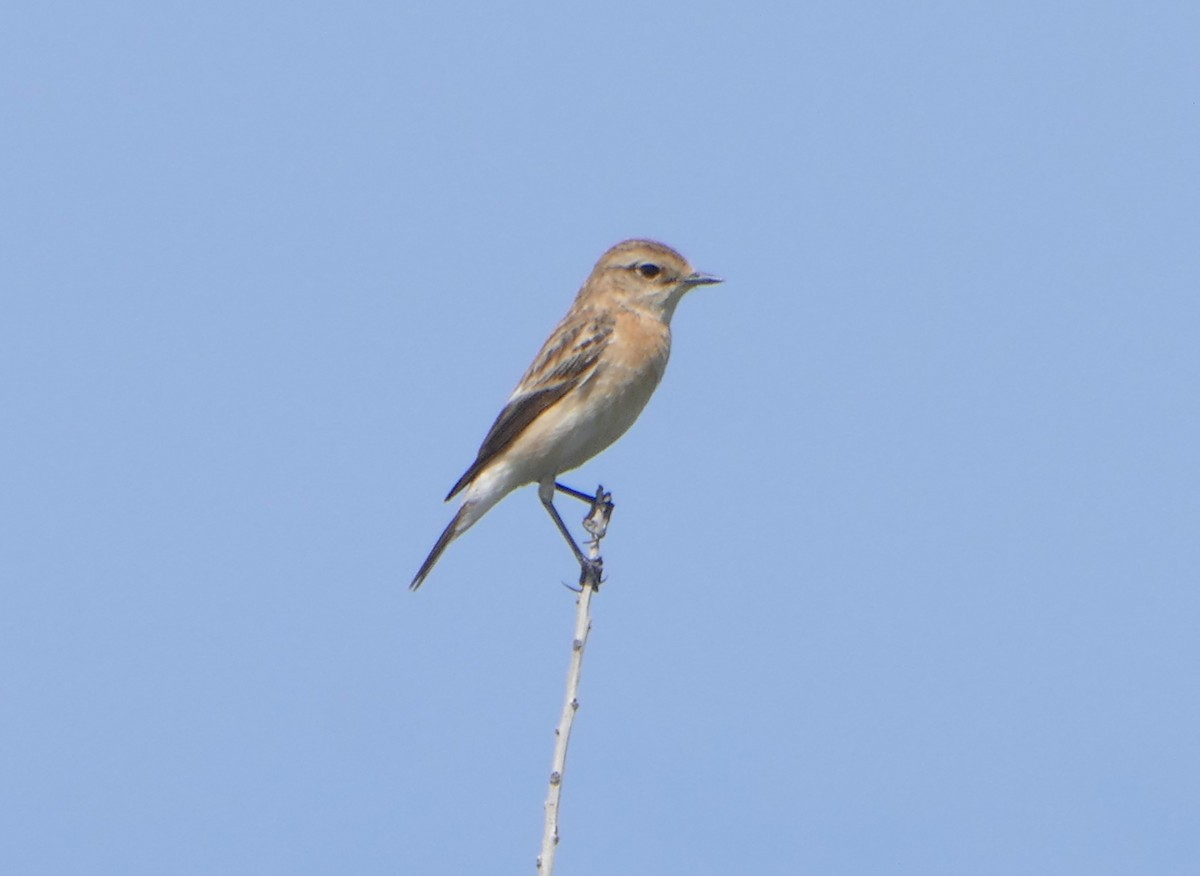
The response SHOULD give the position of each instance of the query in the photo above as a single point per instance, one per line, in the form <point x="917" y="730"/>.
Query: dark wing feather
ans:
<point x="565" y="361"/>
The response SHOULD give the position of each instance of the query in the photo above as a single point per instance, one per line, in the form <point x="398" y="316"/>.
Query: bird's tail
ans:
<point x="462" y="520"/>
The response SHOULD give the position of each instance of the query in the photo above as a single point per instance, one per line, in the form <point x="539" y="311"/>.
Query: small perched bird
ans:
<point x="585" y="387"/>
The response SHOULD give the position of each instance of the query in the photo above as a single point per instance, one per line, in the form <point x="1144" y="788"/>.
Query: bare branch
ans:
<point x="596" y="523"/>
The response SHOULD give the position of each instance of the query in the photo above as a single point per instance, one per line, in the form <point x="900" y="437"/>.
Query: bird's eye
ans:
<point x="649" y="271"/>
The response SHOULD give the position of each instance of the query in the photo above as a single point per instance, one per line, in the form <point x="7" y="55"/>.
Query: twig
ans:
<point x="596" y="523"/>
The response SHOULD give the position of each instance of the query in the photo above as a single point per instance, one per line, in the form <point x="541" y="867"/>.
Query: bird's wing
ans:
<point x="565" y="361"/>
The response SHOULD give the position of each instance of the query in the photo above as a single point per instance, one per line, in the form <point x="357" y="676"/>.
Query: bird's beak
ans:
<point x="698" y="279"/>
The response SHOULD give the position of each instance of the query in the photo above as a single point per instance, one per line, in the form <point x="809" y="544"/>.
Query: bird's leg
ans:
<point x="574" y="493"/>
<point x="590" y="568"/>
<point x="596" y="523"/>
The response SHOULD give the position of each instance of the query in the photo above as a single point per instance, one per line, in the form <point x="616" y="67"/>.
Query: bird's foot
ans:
<point x="596" y="523"/>
<point x="591" y="573"/>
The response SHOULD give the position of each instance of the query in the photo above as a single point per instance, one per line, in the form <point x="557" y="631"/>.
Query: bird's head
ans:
<point x="647" y="275"/>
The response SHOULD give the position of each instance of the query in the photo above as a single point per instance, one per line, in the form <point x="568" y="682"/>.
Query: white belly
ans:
<point x="591" y="418"/>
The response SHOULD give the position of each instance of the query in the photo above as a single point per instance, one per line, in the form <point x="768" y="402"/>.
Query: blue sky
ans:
<point x="903" y="571"/>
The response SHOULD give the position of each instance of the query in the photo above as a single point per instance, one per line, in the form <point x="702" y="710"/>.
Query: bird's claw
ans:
<point x="596" y="523"/>
<point x="591" y="573"/>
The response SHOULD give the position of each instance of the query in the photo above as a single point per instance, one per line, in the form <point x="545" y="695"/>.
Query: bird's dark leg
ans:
<point x="574" y="493"/>
<point x="590" y="570"/>
<point x="562" y="527"/>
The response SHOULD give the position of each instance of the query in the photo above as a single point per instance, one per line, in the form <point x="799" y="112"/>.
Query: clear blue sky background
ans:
<point x="903" y="576"/>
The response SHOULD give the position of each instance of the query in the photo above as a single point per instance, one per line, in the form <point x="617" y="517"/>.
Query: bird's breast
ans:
<point x="606" y="404"/>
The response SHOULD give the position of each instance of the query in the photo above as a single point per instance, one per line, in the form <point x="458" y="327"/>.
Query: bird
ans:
<point x="586" y="386"/>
